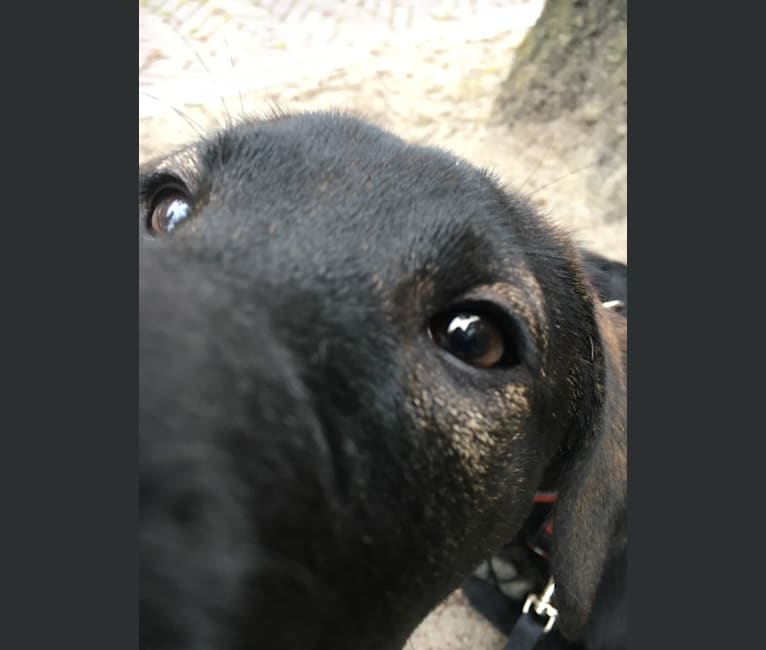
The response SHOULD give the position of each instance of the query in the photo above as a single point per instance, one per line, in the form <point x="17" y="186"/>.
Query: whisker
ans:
<point x="527" y="147"/>
<point x="193" y="124"/>
<point x="572" y="147"/>
<point x="227" y="113"/>
<point x="534" y="170"/>
<point x="239" y="88"/>
<point x="561" y="178"/>
<point x="564" y="150"/>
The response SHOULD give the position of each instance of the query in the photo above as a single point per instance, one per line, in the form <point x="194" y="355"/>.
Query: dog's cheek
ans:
<point x="480" y="462"/>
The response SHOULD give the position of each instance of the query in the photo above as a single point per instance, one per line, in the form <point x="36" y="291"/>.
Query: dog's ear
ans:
<point x="590" y="513"/>
<point x="608" y="277"/>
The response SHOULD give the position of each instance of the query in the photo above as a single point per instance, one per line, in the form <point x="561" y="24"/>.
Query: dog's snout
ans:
<point x="233" y="461"/>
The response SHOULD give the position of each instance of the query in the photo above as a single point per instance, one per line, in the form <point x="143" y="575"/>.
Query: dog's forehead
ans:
<point x="333" y="172"/>
<point x="326" y="193"/>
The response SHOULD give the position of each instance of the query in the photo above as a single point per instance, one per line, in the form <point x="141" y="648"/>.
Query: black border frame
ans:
<point x="689" y="559"/>
<point x="69" y="458"/>
<point x="70" y="312"/>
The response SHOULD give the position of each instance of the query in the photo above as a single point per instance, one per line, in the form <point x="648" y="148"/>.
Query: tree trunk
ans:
<point x="571" y="71"/>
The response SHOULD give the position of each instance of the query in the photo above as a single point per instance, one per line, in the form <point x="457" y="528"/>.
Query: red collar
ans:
<point x="546" y="497"/>
<point x="540" y="539"/>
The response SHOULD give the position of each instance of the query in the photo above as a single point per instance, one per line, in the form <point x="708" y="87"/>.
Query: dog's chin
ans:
<point x="272" y="602"/>
<point x="289" y="606"/>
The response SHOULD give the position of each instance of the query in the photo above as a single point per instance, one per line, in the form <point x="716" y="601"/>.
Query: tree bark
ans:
<point x="571" y="69"/>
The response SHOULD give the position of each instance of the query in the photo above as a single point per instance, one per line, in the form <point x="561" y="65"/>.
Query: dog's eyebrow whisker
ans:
<point x="561" y="178"/>
<point x="539" y="163"/>
<point x="534" y="171"/>
<point x="227" y="113"/>
<point x="546" y="155"/>
<point x="192" y="123"/>
<point x="234" y="75"/>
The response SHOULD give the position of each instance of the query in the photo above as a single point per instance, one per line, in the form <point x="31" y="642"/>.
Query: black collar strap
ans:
<point x="537" y="616"/>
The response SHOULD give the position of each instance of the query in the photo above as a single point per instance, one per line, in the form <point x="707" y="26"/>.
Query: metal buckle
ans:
<point x="614" y="305"/>
<point x="543" y="605"/>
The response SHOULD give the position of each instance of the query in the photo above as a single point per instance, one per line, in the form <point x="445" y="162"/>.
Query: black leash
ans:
<point x="537" y="616"/>
<point x="525" y="634"/>
<point x="537" y="619"/>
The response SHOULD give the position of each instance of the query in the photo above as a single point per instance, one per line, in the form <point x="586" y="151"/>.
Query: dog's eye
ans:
<point x="476" y="338"/>
<point x="169" y="209"/>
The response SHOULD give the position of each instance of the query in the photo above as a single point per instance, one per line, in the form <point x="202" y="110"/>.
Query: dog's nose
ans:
<point x="234" y="470"/>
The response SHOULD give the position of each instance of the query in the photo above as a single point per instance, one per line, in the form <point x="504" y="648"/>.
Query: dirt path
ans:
<point x="432" y="82"/>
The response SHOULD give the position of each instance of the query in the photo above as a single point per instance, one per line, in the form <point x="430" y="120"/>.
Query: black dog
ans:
<point x="359" y="360"/>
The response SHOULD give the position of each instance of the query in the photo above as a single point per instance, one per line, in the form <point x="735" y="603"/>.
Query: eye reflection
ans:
<point x="475" y="339"/>
<point x="170" y="210"/>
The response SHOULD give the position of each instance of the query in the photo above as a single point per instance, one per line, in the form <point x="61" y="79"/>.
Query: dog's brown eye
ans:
<point x="476" y="339"/>
<point x="169" y="210"/>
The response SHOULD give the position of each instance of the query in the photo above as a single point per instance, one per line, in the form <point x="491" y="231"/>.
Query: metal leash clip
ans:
<point x="614" y="305"/>
<point x="542" y="605"/>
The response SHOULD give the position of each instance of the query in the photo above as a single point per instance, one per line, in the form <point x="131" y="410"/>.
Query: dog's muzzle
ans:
<point x="235" y="473"/>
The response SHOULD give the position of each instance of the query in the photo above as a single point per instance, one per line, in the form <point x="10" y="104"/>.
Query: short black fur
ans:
<point x="314" y="472"/>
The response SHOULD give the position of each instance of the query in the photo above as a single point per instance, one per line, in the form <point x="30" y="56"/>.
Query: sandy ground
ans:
<point x="437" y="91"/>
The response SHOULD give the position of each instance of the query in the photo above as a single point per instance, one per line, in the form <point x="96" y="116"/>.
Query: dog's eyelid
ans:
<point x="183" y="165"/>
<point x="158" y="181"/>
